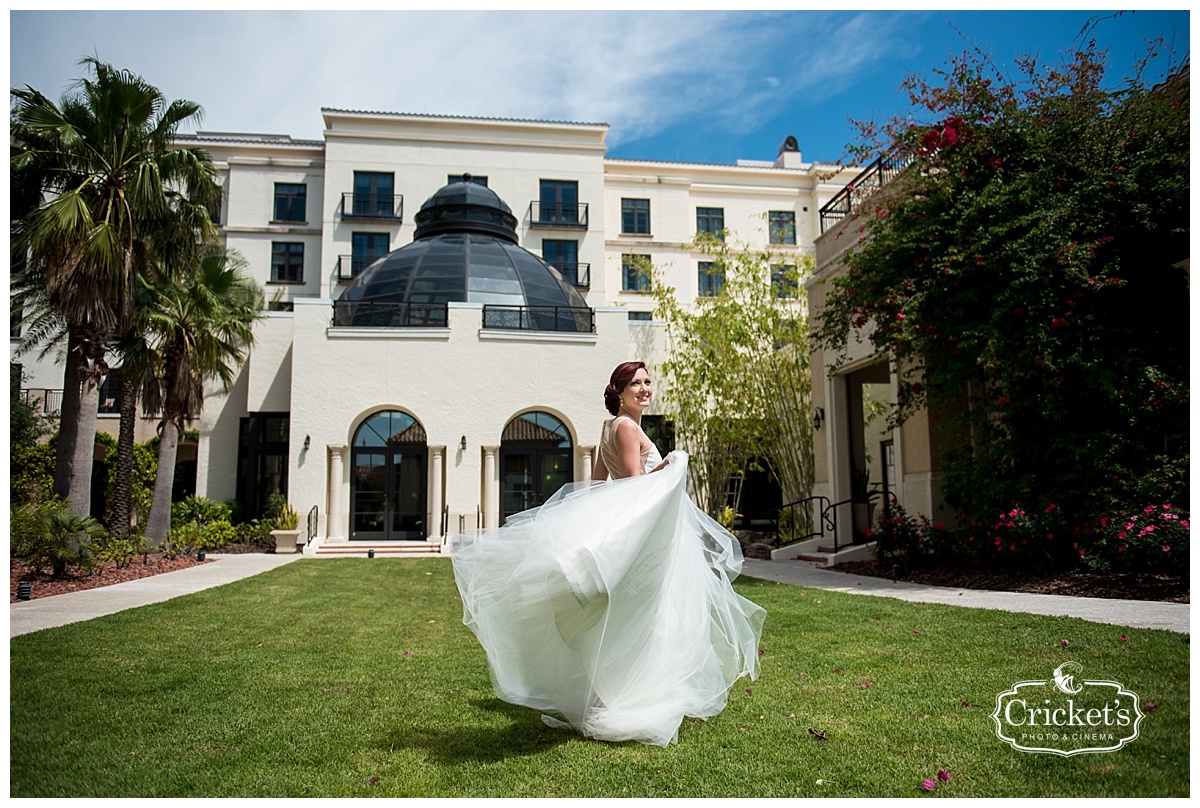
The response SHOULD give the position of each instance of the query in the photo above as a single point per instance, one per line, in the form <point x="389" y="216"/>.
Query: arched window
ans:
<point x="535" y="461"/>
<point x="388" y="486"/>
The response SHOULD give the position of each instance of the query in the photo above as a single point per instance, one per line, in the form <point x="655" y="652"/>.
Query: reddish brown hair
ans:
<point x="620" y="379"/>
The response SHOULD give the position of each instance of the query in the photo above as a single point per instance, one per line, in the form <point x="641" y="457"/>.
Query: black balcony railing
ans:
<point x="350" y="267"/>
<point x="373" y="314"/>
<point x="48" y="401"/>
<point x="372" y="206"/>
<point x="870" y="180"/>
<point x="540" y="318"/>
<point x="558" y="214"/>
<point x="578" y="275"/>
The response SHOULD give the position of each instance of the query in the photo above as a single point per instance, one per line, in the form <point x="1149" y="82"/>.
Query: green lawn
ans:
<point x="356" y="677"/>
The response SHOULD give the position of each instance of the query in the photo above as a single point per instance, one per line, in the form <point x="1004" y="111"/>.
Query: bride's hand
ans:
<point x="661" y="465"/>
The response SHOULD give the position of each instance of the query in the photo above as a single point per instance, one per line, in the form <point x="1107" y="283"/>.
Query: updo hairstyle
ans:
<point x="620" y="379"/>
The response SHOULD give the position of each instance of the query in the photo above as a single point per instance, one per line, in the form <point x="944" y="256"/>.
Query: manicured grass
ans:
<point x="355" y="677"/>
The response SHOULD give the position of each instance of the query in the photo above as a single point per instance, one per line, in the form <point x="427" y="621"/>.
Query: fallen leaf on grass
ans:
<point x="820" y="736"/>
<point x="374" y="781"/>
<point x="824" y="782"/>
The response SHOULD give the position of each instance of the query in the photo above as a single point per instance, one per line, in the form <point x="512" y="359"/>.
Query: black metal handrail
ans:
<point x="824" y="521"/>
<point x="868" y="181"/>
<point x="350" y="267"/>
<point x="540" y="318"/>
<point x="372" y="206"/>
<point x="374" y="314"/>
<point x="312" y="525"/>
<point x="558" y="214"/>
<point x="578" y="275"/>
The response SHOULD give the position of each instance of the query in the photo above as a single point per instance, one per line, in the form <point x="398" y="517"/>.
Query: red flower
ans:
<point x="943" y="776"/>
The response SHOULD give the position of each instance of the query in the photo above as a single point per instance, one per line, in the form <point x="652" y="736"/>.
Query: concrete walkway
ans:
<point x="1129" y="613"/>
<point x="58" y="610"/>
<point x="40" y="613"/>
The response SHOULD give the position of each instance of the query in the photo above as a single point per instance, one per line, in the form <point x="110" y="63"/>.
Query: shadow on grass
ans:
<point x="525" y="735"/>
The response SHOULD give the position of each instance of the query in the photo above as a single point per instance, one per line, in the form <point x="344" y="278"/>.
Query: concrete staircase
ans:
<point x="816" y="551"/>
<point x="383" y="549"/>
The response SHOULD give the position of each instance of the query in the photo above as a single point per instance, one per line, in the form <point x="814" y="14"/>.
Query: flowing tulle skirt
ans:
<point x="610" y="607"/>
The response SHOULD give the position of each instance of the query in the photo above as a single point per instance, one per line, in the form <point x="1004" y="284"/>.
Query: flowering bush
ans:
<point x="1029" y="295"/>
<point x="1156" y="538"/>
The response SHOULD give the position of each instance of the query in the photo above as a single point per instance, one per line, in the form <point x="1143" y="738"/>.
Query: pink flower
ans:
<point x="1148" y="509"/>
<point x="865" y="684"/>
<point x="1064" y="643"/>
<point x="928" y="785"/>
<point x="1149" y="706"/>
<point x="1185" y="524"/>
<point x="1123" y="638"/>
<point x="761" y="652"/>
<point x="406" y="653"/>
<point x="899" y="315"/>
<point x="1057" y="322"/>
<point x="1167" y="507"/>
<point x="1149" y="528"/>
<point x="1166" y="548"/>
<point x="966" y="704"/>
<point x="915" y="631"/>
<point x="944" y="776"/>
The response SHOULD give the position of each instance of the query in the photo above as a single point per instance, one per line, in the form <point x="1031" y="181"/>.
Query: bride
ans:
<point x="610" y="606"/>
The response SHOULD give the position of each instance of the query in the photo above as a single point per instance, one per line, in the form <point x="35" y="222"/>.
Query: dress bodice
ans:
<point x="608" y="451"/>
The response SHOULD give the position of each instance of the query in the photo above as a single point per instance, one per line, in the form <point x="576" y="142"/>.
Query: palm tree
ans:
<point x="103" y="161"/>
<point x="202" y="329"/>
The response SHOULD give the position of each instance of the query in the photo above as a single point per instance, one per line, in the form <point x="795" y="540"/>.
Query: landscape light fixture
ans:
<point x="24" y="590"/>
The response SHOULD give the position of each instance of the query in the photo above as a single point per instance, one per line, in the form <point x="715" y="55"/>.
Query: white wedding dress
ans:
<point x="610" y="607"/>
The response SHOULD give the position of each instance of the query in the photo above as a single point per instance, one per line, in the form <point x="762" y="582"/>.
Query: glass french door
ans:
<point x="388" y="487"/>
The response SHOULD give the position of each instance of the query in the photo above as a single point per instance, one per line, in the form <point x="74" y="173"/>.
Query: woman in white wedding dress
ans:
<point x="609" y="608"/>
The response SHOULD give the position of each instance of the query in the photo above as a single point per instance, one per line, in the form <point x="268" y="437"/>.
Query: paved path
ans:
<point x="1130" y="613"/>
<point x="58" y="610"/>
<point x="40" y="613"/>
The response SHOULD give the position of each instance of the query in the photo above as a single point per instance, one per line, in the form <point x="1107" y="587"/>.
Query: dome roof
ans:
<point x="464" y="250"/>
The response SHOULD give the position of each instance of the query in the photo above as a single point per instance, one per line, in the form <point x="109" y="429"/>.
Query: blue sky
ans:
<point x="695" y="86"/>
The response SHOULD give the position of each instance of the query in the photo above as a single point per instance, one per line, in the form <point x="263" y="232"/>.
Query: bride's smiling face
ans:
<point x="637" y="394"/>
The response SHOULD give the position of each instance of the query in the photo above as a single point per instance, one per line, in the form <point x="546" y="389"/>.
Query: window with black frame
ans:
<point x="635" y="217"/>
<point x="262" y="460"/>
<point x="710" y="279"/>
<point x="374" y="194"/>
<point x="287" y="262"/>
<point x="635" y="273"/>
<point x="290" y="202"/>
<point x="367" y="248"/>
<point x="563" y="255"/>
<point x="711" y="221"/>
<point x="558" y="202"/>
<point x="782" y="226"/>
<point x="784" y="281"/>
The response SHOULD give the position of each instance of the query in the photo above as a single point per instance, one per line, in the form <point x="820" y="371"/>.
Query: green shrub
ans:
<point x="50" y="535"/>
<point x="200" y="510"/>
<point x="31" y="470"/>
<point x="111" y="549"/>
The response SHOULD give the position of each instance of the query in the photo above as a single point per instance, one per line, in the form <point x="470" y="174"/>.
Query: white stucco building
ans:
<point x="457" y="397"/>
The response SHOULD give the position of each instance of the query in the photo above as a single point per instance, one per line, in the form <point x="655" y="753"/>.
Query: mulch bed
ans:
<point x="1119" y="586"/>
<point x="43" y="585"/>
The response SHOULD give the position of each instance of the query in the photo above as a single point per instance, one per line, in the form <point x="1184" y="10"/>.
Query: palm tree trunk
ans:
<point x="68" y="419"/>
<point x="121" y="507"/>
<point x="158" y="524"/>
<point x="79" y="498"/>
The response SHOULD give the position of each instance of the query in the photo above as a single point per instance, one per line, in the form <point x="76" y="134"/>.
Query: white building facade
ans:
<point x="402" y="433"/>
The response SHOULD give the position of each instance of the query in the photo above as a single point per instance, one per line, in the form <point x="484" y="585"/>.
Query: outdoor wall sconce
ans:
<point x="462" y="444"/>
<point x="307" y="442"/>
<point x="818" y="417"/>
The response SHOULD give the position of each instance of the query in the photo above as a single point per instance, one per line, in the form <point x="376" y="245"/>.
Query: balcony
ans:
<point x="372" y="207"/>
<point x="578" y="275"/>
<point x="48" y="401"/>
<point x="571" y="215"/>
<point x="870" y="180"/>
<point x="540" y="318"/>
<point x="350" y="267"/>
<point x="372" y="314"/>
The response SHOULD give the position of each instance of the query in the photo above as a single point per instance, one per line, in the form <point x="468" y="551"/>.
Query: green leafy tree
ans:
<point x="737" y="372"/>
<point x="26" y="426"/>
<point x="202" y="327"/>
<point x="103" y="161"/>
<point x="1023" y="275"/>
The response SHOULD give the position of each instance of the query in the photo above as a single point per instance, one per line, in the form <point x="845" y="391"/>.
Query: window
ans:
<point x="784" y="281"/>
<point x="711" y="220"/>
<point x="262" y="459"/>
<point x="16" y="316"/>
<point x="289" y="202"/>
<point x="373" y="194"/>
<point x="635" y="273"/>
<point x="559" y="202"/>
<point x="709" y="279"/>
<point x="367" y="248"/>
<point x="635" y="216"/>
<point x="287" y="262"/>
<point x="782" y="226"/>
<point x="639" y="316"/>
<point x="563" y="255"/>
<point x="475" y="178"/>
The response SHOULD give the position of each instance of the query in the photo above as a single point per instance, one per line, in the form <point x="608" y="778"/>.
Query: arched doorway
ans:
<point x="535" y="461"/>
<point x="388" y="483"/>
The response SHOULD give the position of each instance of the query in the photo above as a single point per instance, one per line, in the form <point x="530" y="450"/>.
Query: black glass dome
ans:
<point x="464" y="250"/>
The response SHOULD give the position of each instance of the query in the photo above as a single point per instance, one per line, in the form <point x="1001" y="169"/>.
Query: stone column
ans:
<point x="586" y="455"/>
<point x="437" y="456"/>
<point x="490" y="493"/>
<point x="335" y="520"/>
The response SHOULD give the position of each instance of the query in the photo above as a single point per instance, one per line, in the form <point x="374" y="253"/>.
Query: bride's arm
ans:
<point x="599" y="470"/>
